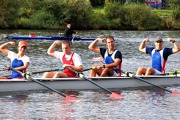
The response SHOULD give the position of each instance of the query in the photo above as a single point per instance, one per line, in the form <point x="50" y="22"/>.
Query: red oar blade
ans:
<point x="175" y="93"/>
<point x="116" y="96"/>
<point x="70" y="98"/>
<point x="98" y="59"/>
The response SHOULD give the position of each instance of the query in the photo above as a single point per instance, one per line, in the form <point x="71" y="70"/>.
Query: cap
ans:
<point x="22" y="43"/>
<point x="158" y="39"/>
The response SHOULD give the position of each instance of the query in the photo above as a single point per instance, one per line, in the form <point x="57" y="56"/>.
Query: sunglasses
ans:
<point x="24" y="47"/>
<point x="159" y="41"/>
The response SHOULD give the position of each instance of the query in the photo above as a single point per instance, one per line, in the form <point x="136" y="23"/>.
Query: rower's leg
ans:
<point x="150" y="71"/>
<point x="95" y="70"/>
<point x="107" y="72"/>
<point x="48" y="75"/>
<point x="141" y="71"/>
<point x="60" y="75"/>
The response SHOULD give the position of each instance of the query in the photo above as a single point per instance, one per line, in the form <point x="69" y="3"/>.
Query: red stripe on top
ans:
<point x="69" y="62"/>
<point x="163" y="67"/>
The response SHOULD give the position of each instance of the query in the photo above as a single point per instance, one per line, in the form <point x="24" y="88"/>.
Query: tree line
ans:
<point x="85" y="15"/>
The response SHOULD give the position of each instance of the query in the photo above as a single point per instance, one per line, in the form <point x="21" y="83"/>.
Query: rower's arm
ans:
<point x="77" y="68"/>
<point x="176" y="47"/>
<point x="142" y="46"/>
<point x="77" y="63"/>
<point x="51" y="50"/>
<point x="116" y="62"/>
<point x="93" y="46"/>
<point x="3" y="47"/>
<point x="24" y="67"/>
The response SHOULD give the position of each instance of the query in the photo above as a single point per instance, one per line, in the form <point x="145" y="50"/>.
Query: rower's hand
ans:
<point x="57" y="42"/>
<point x="96" y="67"/>
<point x="8" y="67"/>
<point x="146" y="40"/>
<point x="12" y="43"/>
<point x="66" y="65"/>
<point x="102" y="40"/>
<point x="170" y="39"/>
<point x="26" y="75"/>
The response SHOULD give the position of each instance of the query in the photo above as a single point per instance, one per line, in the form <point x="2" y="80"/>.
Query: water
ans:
<point x="138" y="104"/>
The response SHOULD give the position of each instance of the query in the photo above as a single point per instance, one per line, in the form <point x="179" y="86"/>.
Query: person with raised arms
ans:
<point x="68" y="59"/>
<point x="112" y="58"/>
<point x="159" y="56"/>
<point x="19" y="61"/>
<point x="68" y="32"/>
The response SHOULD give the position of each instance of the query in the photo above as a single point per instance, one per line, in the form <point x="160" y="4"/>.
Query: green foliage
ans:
<point x="110" y="14"/>
<point x="176" y="8"/>
<point x="136" y="1"/>
<point x="9" y="13"/>
<point x="79" y="12"/>
<point x="163" y="12"/>
<point x="58" y="9"/>
<point x="132" y="16"/>
<point x="39" y="20"/>
<point x="112" y="10"/>
<point x="99" y="20"/>
<point x="174" y="3"/>
<point x="140" y="17"/>
<point x="169" y="23"/>
<point x="176" y="13"/>
<point x="96" y="3"/>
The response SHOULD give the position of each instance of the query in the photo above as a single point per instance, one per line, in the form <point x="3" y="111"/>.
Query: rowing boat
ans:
<point x="46" y="38"/>
<point x="79" y="84"/>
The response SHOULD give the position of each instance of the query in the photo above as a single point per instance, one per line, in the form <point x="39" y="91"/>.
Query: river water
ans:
<point x="139" y="104"/>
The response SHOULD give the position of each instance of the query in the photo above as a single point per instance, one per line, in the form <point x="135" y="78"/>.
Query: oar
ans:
<point x="27" y="76"/>
<point x="3" y="69"/>
<point x="173" y="73"/>
<point x="6" y="67"/>
<point x="87" y="69"/>
<point x="98" y="59"/>
<point x="113" y="94"/>
<point x="36" y="72"/>
<point x="143" y="80"/>
<point x="73" y="38"/>
<point x="57" y="69"/>
<point x="169" y="73"/>
<point x="32" y="35"/>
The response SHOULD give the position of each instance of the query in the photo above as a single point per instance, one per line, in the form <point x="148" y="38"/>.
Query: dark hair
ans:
<point x="110" y="37"/>
<point x="67" y="42"/>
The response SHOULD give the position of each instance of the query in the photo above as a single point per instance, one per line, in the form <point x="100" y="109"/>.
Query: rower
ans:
<point x="19" y="61"/>
<point x="68" y="32"/>
<point x="67" y="57"/>
<point x="112" y="58"/>
<point x="158" y="54"/>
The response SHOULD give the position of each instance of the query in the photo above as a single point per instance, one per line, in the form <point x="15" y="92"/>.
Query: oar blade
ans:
<point x="116" y="96"/>
<point x="69" y="98"/>
<point x="175" y="93"/>
<point x="98" y="59"/>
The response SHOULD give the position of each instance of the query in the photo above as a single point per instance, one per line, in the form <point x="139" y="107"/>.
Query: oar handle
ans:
<point x="174" y="73"/>
<point x="28" y="77"/>
<point x="57" y="69"/>
<point x="87" y="69"/>
<point x="143" y="80"/>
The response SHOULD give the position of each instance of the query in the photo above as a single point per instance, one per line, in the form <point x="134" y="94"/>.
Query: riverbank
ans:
<point x="54" y="15"/>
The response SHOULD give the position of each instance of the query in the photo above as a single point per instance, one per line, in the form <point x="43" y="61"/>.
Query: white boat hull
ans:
<point x="78" y="84"/>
